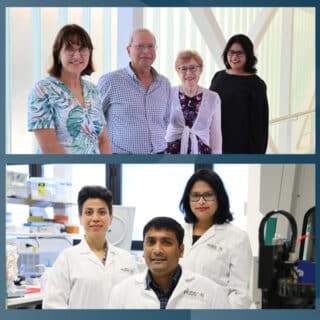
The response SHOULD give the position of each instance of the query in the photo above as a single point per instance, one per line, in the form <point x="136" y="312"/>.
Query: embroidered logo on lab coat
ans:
<point x="125" y="269"/>
<point x="213" y="246"/>
<point x="194" y="293"/>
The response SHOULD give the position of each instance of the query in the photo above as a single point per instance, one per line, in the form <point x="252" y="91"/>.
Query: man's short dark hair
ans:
<point x="166" y="223"/>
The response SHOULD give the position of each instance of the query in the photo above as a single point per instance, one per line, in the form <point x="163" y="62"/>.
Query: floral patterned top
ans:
<point x="51" y="105"/>
<point x="190" y="108"/>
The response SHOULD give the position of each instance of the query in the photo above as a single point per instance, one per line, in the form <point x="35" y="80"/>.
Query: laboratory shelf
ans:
<point x="40" y="235"/>
<point x="69" y="237"/>
<point x="38" y="203"/>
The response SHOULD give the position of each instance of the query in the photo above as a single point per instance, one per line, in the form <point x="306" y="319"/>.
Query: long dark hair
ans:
<point x="247" y="45"/>
<point x="223" y="213"/>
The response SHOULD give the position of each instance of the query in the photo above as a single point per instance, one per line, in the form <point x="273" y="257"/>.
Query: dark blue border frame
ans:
<point x="159" y="3"/>
<point x="20" y="159"/>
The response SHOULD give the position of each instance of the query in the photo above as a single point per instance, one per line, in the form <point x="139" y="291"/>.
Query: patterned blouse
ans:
<point x="52" y="105"/>
<point x="190" y="108"/>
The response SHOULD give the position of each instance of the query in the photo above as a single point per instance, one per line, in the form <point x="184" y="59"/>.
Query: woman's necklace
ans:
<point x="191" y="93"/>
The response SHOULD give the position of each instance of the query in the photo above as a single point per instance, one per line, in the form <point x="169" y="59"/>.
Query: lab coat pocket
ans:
<point x="218" y="261"/>
<point x="122" y="273"/>
<point x="194" y="299"/>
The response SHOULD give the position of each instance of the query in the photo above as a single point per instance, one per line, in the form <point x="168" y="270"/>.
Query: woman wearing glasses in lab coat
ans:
<point x="214" y="247"/>
<point x="83" y="275"/>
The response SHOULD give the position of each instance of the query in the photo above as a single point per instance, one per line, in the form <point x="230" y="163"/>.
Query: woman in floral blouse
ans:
<point x="64" y="110"/>
<point x="195" y="121"/>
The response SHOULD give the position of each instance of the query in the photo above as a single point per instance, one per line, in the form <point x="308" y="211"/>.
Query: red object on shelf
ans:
<point x="32" y="290"/>
<point x="63" y="219"/>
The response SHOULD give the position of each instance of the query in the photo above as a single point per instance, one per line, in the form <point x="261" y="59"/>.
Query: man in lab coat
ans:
<point x="165" y="285"/>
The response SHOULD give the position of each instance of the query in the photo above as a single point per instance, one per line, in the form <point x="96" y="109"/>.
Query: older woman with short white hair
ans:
<point x="195" y="120"/>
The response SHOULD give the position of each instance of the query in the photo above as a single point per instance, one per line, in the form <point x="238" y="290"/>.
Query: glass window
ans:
<point x="16" y="178"/>
<point x="231" y="174"/>
<point x="154" y="190"/>
<point x="78" y="174"/>
<point x="22" y="168"/>
<point x="40" y="26"/>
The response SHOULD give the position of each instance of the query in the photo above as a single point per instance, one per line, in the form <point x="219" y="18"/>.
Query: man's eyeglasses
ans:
<point x="84" y="51"/>
<point x="193" y="68"/>
<point x="207" y="196"/>
<point x="141" y="47"/>
<point x="238" y="54"/>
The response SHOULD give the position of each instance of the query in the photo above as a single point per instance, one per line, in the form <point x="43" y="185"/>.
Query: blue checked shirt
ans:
<point x="136" y="120"/>
<point x="163" y="297"/>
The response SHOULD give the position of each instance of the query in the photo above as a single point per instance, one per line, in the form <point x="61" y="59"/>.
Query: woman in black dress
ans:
<point x="244" y="103"/>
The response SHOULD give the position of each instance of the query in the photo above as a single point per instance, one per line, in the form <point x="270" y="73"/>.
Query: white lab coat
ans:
<point x="79" y="280"/>
<point x="223" y="254"/>
<point x="193" y="291"/>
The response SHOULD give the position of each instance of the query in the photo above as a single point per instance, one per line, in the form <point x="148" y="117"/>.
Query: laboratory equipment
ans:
<point x="120" y="231"/>
<point x="11" y="268"/>
<point x="307" y="259"/>
<point x="307" y="239"/>
<point x="279" y="276"/>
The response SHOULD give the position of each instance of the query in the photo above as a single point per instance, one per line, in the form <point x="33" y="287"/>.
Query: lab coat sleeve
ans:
<point x="221" y="300"/>
<point x="57" y="289"/>
<point x="240" y="269"/>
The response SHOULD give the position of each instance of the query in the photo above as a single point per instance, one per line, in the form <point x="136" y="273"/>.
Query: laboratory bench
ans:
<point x="28" y="301"/>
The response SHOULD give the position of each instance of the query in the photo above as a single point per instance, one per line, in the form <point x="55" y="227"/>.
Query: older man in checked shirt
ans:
<point x="135" y="100"/>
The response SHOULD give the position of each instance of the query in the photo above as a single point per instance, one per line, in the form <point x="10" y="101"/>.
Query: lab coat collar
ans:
<point x="112" y="252"/>
<point x="210" y="233"/>
<point x="184" y="285"/>
<point x="185" y="277"/>
<point x="84" y="247"/>
<point x="185" y="280"/>
<point x="141" y="277"/>
<point x="85" y="250"/>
